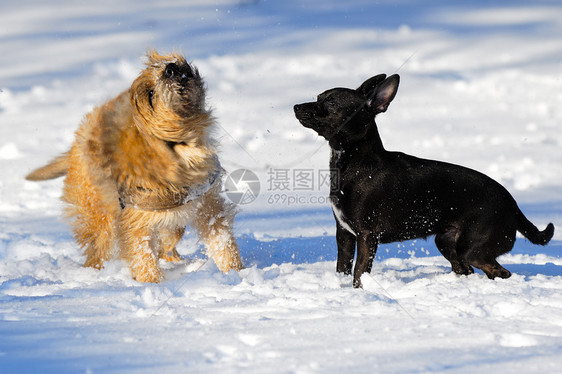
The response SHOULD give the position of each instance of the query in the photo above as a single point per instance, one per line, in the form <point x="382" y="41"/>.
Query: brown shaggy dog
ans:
<point x="142" y="167"/>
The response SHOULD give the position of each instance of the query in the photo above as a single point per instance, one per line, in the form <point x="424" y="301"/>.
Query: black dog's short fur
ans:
<point x="383" y="197"/>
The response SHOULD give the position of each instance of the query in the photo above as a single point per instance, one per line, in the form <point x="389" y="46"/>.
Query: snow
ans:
<point x="480" y="86"/>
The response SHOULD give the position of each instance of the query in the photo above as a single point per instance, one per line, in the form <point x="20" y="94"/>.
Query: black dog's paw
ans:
<point x="357" y="283"/>
<point x="493" y="271"/>
<point x="462" y="269"/>
<point x="499" y="273"/>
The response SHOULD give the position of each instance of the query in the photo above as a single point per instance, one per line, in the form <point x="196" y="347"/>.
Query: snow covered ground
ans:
<point x="481" y="86"/>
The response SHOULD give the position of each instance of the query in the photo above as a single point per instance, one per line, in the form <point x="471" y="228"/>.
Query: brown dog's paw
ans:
<point x="228" y="260"/>
<point x="93" y="263"/>
<point x="144" y="265"/>
<point x="154" y="276"/>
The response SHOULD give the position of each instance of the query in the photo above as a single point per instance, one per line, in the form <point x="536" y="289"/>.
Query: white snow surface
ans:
<point x="481" y="86"/>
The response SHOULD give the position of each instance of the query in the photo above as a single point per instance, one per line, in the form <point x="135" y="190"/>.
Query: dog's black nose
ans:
<point x="181" y="73"/>
<point x="171" y="70"/>
<point x="302" y="115"/>
<point x="302" y="111"/>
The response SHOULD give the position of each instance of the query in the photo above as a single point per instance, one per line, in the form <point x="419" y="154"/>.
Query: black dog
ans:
<point x="383" y="197"/>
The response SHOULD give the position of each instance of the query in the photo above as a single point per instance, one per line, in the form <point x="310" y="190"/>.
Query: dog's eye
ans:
<point x="330" y="105"/>
<point x="150" y="96"/>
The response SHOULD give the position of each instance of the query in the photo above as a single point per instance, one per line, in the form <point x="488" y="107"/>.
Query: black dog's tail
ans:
<point x="530" y="231"/>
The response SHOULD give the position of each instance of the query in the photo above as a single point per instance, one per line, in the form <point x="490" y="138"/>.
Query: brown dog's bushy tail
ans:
<point x="530" y="231"/>
<point x="54" y="169"/>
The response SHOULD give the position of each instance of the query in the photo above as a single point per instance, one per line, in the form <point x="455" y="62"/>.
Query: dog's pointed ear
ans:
<point x="370" y="84"/>
<point x="384" y="93"/>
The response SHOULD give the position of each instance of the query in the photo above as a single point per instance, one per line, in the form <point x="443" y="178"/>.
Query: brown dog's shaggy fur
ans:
<point x="141" y="168"/>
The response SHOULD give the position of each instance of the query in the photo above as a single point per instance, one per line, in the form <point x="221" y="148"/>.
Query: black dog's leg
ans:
<point x="366" y="249"/>
<point x="446" y="242"/>
<point x="483" y="248"/>
<point x="346" y="249"/>
<point x="491" y="268"/>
